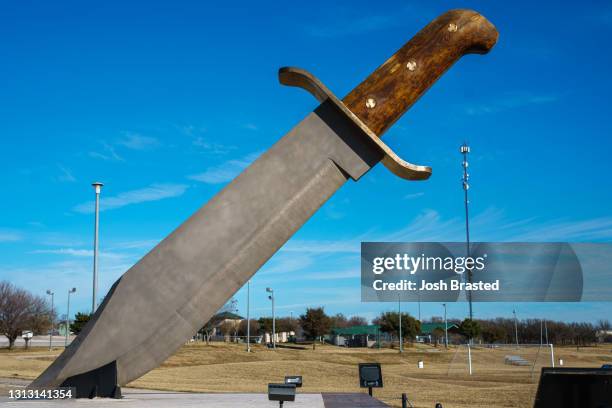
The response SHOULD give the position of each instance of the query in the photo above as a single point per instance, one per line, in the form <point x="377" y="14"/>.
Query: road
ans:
<point x="37" y="341"/>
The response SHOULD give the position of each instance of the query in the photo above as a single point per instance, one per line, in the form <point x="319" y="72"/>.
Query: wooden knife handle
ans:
<point x="389" y="91"/>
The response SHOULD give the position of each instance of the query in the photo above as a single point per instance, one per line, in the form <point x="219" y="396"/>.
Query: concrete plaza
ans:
<point x="139" y="398"/>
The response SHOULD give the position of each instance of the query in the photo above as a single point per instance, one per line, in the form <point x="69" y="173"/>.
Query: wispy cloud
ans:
<point x="345" y="300"/>
<point x="58" y="239"/>
<point x="284" y="265"/>
<point x="224" y="172"/>
<point x="107" y="153"/>
<point x="65" y="273"/>
<point x="190" y="130"/>
<point x="215" y="148"/>
<point x="493" y="225"/>
<point x="139" y="244"/>
<point x="489" y="225"/>
<point x="565" y="230"/>
<point x="412" y="196"/>
<point x="250" y="126"/>
<point x="321" y="247"/>
<point x="509" y="101"/>
<point x="154" y="192"/>
<point x="76" y="252"/>
<point x="136" y="141"/>
<point x="10" y="236"/>
<point x="66" y="175"/>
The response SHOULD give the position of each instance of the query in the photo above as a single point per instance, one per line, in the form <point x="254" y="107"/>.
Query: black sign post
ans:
<point x="370" y="376"/>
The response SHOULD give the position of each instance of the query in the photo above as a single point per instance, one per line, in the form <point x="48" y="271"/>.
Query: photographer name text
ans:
<point x="453" y="284"/>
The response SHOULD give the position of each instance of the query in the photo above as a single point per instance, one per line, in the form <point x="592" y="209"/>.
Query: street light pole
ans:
<point x="445" y="327"/>
<point x="419" y="300"/>
<point x="515" y="327"/>
<point x="68" y="317"/>
<point x="249" y="316"/>
<point x="465" y="150"/>
<point x="94" y="301"/>
<point x="271" y="297"/>
<point x="52" y="294"/>
<point x="399" y="313"/>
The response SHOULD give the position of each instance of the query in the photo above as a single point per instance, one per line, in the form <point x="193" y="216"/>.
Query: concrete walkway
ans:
<point x="141" y="398"/>
<point x="135" y="398"/>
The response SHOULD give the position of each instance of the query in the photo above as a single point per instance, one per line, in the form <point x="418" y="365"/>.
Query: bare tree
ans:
<point x="604" y="325"/>
<point x="20" y="310"/>
<point x="286" y="324"/>
<point x="338" y="321"/>
<point x="242" y="327"/>
<point x="227" y="328"/>
<point x="209" y="329"/>
<point x="357" y="321"/>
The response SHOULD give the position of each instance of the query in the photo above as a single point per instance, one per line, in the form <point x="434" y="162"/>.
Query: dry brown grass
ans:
<point x="228" y="368"/>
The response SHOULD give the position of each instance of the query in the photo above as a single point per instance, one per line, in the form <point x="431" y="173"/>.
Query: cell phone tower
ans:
<point x="465" y="150"/>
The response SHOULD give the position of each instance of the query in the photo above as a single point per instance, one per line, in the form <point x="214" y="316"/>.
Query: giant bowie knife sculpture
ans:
<point x="160" y="302"/>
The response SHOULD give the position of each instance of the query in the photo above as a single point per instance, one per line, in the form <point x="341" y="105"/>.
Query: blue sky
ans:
<point x="166" y="103"/>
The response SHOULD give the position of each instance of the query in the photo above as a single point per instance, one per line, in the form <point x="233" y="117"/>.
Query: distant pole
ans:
<point x="465" y="150"/>
<point x="445" y="327"/>
<point x="541" y="333"/>
<point x="552" y="355"/>
<point x="419" y="299"/>
<point x="52" y="294"/>
<point x="399" y="312"/>
<point x="68" y="317"/>
<point x="94" y="301"/>
<point x="515" y="327"/>
<point x="546" y="331"/>
<point x="469" y="359"/>
<point x="249" y="316"/>
<point x="271" y="297"/>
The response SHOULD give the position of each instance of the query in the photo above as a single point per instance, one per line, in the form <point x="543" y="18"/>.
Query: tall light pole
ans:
<point x="52" y="316"/>
<point x="94" y="301"/>
<point x="399" y="314"/>
<point x="68" y="317"/>
<point x="515" y="327"/>
<point x="445" y="327"/>
<point x="419" y="301"/>
<point x="464" y="149"/>
<point x="249" y="316"/>
<point x="271" y="297"/>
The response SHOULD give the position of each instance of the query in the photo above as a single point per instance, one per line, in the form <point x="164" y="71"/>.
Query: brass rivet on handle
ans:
<point x="370" y="103"/>
<point x="452" y="27"/>
<point x="411" y="65"/>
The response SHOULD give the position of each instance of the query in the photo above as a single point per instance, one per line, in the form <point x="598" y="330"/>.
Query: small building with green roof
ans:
<point x="431" y="331"/>
<point x="356" y="336"/>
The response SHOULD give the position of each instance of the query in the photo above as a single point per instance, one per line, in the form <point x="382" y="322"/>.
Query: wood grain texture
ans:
<point x="391" y="90"/>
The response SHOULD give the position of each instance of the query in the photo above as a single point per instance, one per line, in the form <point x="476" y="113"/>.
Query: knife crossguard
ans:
<point x="301" y="78"/>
